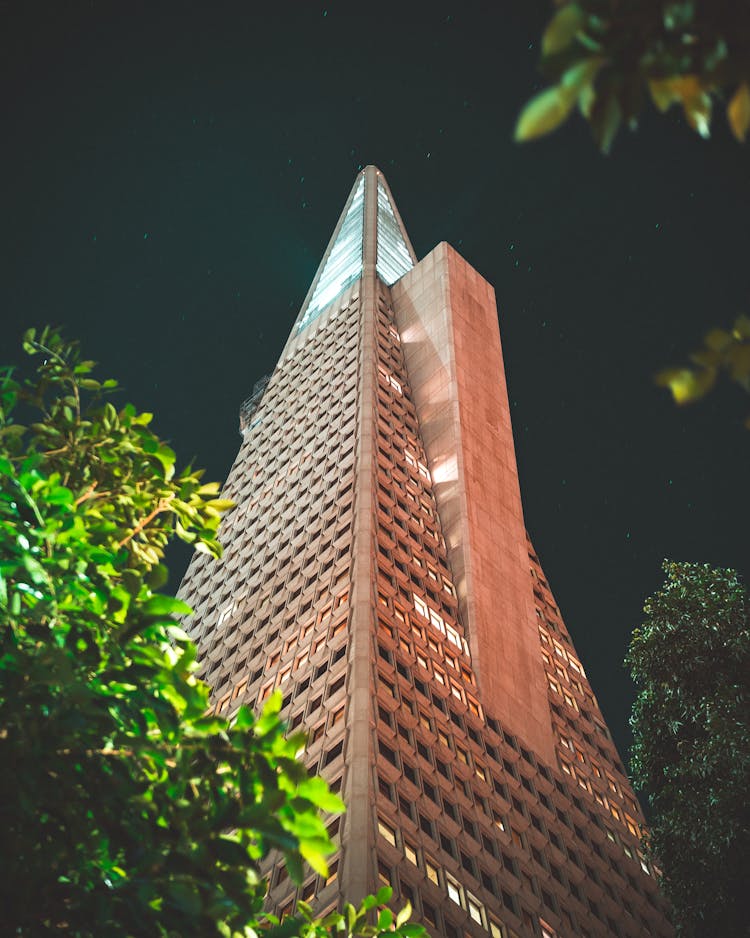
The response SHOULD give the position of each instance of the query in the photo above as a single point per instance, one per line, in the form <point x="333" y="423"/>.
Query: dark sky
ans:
<point x="171" y="174"/>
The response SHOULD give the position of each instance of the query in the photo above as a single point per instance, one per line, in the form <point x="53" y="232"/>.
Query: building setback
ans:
<point x="377" y="569"/>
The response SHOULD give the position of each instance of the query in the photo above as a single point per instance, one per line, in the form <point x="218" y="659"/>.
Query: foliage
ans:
<point x="354" y="921"/>
<point x="127" y="809"/>
<point x="723" y="351"/>
<point x="691" y="722"/>
<point x="607" y="57"/>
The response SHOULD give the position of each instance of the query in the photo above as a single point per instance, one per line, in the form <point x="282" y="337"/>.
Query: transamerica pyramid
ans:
<point x="377" y="569"/>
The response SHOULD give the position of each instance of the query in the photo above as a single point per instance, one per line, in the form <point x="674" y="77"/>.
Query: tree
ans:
<point x="608" y="56"/>
<point x="691" y="723"/>
<point x="127" y="809"/>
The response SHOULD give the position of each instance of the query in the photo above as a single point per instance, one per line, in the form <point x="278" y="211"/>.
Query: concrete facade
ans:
<point x="377" y="570"/>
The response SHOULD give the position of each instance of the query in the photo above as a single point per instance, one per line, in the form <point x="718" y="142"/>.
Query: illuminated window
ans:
<point x="239" y="689"/>
<point x="475" y="909"/>
<point x="497" y="929"/>
<point x="387" y="832"/>
<point x="421" y="606"/>
<point x="437" y="621"/>
<point x="453" y="636"/>
<point x="454" y="889"/>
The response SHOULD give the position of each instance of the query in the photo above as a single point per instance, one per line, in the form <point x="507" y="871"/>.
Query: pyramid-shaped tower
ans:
<point x="377" y="569"/>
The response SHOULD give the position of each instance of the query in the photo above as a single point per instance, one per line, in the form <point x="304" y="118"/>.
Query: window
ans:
<point x="547" y="930"/>
<point x="497" y="929"/>
<point x="454" y="889"/>
<point x="475" y="909"/>
<point x="387" y="832"/>
<point x="421" y="606"/>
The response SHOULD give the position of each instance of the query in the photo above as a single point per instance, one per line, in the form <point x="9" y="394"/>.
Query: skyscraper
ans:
<point x="377" y="569"/>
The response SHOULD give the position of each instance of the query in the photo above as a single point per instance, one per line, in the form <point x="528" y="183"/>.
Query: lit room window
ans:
<point x="387" y="832"/>
<point x="475" y="909"/>
<point x="454" y="889"/>
<point x="421" y="606"/>
<point x="497" y="929"/>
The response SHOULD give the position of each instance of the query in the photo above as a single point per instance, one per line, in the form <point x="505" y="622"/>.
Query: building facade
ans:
<point x="377" y="569"/>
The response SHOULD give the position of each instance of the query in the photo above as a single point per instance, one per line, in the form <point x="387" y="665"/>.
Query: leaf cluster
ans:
<point x="609" y="57"/>
<point x="724" y="351"/>
<point x="691" y="724"/>
<point x="127" y="809"/>
<point x="372" y="919"/>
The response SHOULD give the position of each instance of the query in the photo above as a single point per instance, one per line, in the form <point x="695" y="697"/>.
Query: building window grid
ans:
<point x="646" y="870"/>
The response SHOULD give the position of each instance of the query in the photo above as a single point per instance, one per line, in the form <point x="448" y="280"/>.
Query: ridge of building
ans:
<point x="377" y="569"/>
<point x="344" y="258"/>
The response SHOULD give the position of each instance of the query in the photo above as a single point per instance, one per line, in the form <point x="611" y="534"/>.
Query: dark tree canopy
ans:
<point x="691" y="721"/>
<point x="609" y="57"/>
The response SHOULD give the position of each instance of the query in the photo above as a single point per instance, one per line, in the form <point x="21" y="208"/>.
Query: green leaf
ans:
<point x="186" y="897"/>
<point x="412" y="930"/>
<point x="605" y="117"/>
<point x="562" y="29"/>
<point x="543" y="114"/>
<point x="404" y="915"/>
<point x="383" y="895"/>
<point x="316" y="790"/>
<point x="685" y="384"/>
<point x="210" y="488"/>
<point x="315" y="858"/>
<point x="160" y="605"/>
<point x="385" y="919"/>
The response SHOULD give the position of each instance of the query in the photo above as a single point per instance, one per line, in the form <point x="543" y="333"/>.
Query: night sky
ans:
<point x="171" y="174"/>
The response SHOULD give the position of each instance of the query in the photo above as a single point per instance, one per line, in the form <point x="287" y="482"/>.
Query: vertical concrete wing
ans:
<point x="447" y="318"/>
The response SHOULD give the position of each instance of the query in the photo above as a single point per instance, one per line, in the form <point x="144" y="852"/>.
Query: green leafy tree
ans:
<point x="691" y="722"/>
<point x="126" y="808"/>
<point x="608" y="57"/>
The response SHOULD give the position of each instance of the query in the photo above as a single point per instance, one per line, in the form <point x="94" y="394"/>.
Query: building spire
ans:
<point x="350" y="245"/>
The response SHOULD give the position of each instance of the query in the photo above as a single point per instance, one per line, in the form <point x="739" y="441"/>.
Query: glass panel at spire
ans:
<point x="394" y="258"/>
<point x="344" y="264"/>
